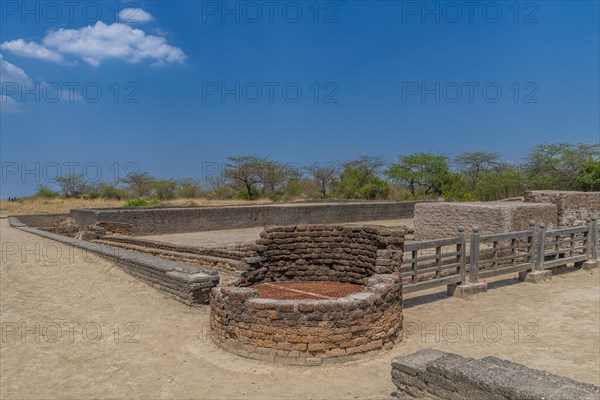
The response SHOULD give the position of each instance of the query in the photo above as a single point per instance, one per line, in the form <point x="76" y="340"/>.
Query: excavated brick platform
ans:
<point x="313" y="294"/>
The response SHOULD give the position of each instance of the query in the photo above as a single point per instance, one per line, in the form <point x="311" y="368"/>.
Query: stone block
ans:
<point x="433" y="374"/>
<point x="590" y="265"/>
<point x="573" y="208"/>
<point x="535" y="276"/>
<point x="441" y="220"/>
<point x="465" y="290"/>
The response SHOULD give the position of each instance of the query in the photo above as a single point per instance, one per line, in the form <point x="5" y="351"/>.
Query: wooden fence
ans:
<point x="432" y="263"/>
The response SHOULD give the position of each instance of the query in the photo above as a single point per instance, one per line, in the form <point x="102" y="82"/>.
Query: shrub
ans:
<point x="108" y="191"/>
<point x="139" y="202"/>
<point x="45" y="193"/>
<point x="245" y="194"/>
<point x="589" y="176"/>
<point x="189" y="189"/>
<point x="164" y="189"/>
<point x="105" y="191"/>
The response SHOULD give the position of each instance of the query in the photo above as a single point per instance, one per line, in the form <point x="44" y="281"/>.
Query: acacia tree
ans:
<point x="164" y="189"/>
<point x="219" y="187"/>
<point x="139" y="183"/>
<point x="505" y="181"/>
<point x="360" y="179"/>
<point x="556" y="166"/>
<point x="420" y="171"/>
<point x="188" y="188"/>
<point x="72" y="185"/>
<point x="473" y="164"/>
<point x="272" y="176"/>
<point x="323" y="176"/>
<point x="244" y="172"/>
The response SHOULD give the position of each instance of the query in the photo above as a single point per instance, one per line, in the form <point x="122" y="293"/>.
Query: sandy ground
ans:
<point x="233" y="237"/>
<point x="155" y="347"/>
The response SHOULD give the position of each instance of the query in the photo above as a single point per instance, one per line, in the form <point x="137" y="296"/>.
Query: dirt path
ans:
<point x="162" y="349"/>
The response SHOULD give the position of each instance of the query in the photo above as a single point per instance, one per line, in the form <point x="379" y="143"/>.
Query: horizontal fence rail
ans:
<point x="504" y="253"/>
<point x="440" y="262"/>
<point x="571" y="244"/>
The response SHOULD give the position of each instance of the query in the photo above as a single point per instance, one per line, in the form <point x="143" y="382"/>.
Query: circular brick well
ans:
<point x="314" y="294"/>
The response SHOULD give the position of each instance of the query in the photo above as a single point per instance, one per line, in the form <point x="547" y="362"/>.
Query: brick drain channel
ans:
<point x="306" y="290"/>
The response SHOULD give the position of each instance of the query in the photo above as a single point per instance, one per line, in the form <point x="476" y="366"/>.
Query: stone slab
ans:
<point x="466" y="290"/>
<point x="441" y="220"/>
<point x="434" y="374"/>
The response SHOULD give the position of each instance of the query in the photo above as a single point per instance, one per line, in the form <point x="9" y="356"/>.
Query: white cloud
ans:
<point x="12" y="79"/>
<point x="94" y="44"/>
<point x="17" y="88"/>
<point x="8" y="104"/>
<point x="31" y="49"/>
<point x="11" y="73"/>
<point x="134" y="15"/>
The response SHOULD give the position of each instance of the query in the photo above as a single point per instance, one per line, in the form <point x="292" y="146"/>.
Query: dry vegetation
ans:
<point x="61" y="205"/>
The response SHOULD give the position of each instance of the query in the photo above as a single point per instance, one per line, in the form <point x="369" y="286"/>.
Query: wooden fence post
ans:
<point x="462" y="254"/>
<point x="593" y="240"/>
<point x="540" y="247"/>
<point x="531" y="240"/>
<point x="474" y="259"/>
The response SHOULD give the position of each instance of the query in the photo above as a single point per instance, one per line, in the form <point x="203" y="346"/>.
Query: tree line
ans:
<point x="468" y="177"/>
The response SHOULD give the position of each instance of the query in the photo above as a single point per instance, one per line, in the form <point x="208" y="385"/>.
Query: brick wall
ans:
<point x="162" y="220"/>
<point x="310" y="332"/>
<point x="324" y="252"/>
<point x="573" y="208"/>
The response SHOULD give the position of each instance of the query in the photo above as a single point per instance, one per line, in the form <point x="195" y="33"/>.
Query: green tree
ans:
<point x="243" y="173"/>
<point x="323" y="176"/>
<point x="473" y="164"/>
<point x="503" y="182"/>
<point x="272" y="177"/>
<point x="588" y="178"/>
<point x="359" y="180"/>
<point x="189" y="188"/>
<point x="218" y="187"/>
<point x="72" y="185"/>
<point x="454" y="187"/>
<point x="164" y="189"/>
<point x="556" y="166"/>
<point x="139" y="183"/>
<point x="425" y="173"/>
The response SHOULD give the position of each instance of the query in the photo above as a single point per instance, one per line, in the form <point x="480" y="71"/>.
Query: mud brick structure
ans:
<point x="574" y="208"/>
<point x="111" y="227"/>
<point x="164" y="220"/>
<point x="441" y="220"/>
<point x="313" y="294"/>
<point x="43" y="221"/>
<point x="434" y="374"/>
<point x="220" y="258"/>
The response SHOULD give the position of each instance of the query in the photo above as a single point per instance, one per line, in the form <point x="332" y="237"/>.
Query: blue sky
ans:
<point x="185" y="84"/>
